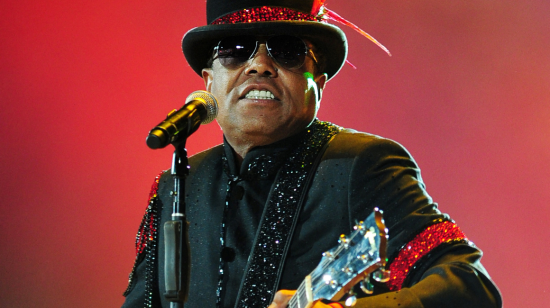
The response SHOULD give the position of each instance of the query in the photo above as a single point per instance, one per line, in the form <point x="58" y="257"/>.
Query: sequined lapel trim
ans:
<point x="425" y="242"/>
<point x="280" y="212"/>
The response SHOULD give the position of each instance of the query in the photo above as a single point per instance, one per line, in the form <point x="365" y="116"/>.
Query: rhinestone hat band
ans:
<point x="264" y="13"/>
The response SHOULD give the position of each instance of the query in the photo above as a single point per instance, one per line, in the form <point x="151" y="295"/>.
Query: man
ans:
<point x="266" y="204"/>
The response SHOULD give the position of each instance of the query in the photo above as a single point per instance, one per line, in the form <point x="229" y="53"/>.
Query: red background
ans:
<point x="467" y="91"/>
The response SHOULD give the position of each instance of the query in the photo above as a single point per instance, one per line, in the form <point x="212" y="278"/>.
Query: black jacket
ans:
<point x="357" y="172"/>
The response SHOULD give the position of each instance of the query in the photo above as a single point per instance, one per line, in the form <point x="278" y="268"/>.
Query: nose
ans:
<point x="262" y="64"/>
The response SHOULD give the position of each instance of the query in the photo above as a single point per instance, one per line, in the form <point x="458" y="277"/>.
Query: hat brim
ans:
<point x="197" y="43"/>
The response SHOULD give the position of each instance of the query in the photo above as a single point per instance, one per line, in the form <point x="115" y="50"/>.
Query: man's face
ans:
<point x="262" y="102"/>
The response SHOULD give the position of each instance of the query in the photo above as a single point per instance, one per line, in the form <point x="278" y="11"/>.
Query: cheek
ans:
<point x="215" y="89"/>
<point x="218" y="82"/>
<point x="219" y="93"/>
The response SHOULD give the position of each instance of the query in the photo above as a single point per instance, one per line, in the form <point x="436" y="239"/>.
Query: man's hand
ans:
<point x="282" y="298"/>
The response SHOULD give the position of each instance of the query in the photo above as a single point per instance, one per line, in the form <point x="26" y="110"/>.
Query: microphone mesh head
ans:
<point x="208" y="101"/>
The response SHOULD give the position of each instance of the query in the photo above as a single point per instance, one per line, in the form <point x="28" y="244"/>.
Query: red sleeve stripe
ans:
<point x="422" y="244"/>
<point x="146" y="229"/>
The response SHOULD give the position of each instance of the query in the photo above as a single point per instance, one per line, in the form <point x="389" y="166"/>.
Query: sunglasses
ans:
<point x="288" y="51"/>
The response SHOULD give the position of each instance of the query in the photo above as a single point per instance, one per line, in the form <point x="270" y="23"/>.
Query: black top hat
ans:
<point x="302" y="18"/>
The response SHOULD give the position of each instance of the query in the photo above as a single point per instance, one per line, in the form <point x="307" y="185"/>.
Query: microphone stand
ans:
<point x="176" y="238"/>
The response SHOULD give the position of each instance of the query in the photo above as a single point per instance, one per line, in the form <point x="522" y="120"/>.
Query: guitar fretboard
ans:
<point x="299" y="300"/>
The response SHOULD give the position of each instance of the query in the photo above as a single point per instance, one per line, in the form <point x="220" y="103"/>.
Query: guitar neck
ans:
<point x="303" y="297"/>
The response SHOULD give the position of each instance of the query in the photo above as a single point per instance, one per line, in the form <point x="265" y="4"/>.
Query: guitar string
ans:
<point x="302" y="291"/>
<point x="296" y="299"/>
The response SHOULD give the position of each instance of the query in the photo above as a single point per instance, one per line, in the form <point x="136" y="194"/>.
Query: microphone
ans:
<point x="200" y="107"/>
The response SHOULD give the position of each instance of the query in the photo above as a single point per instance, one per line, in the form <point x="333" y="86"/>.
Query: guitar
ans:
<point x="357" y="256"/>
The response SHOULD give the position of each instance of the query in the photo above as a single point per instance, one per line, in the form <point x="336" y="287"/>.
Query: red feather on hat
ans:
<point x="319" y="9"/>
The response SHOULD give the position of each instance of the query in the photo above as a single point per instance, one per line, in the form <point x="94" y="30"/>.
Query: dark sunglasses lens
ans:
<point x="288" y="51"/>
<point x="234" y="51"/>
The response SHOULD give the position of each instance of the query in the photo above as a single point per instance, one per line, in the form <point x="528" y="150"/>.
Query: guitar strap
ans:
<point x="280" y="215"/>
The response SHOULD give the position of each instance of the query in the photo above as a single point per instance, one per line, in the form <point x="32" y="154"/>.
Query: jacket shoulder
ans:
<point x="360" y="144"/>
<point x="206" y="156"/>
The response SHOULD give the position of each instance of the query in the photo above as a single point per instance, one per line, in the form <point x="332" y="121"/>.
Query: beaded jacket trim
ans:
<point x="425" y="242"/>
<point x="146" y="246"/>
<point x="280" y="215"/>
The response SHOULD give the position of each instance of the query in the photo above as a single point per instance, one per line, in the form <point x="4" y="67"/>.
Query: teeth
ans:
<point x="263" y="94"/>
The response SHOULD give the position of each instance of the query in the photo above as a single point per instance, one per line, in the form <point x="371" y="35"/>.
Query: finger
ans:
<point x="282" y="298"/>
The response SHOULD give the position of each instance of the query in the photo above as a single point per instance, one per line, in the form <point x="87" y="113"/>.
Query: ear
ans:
<point x="207" y="77"/>
<point x="320" y="80"/>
